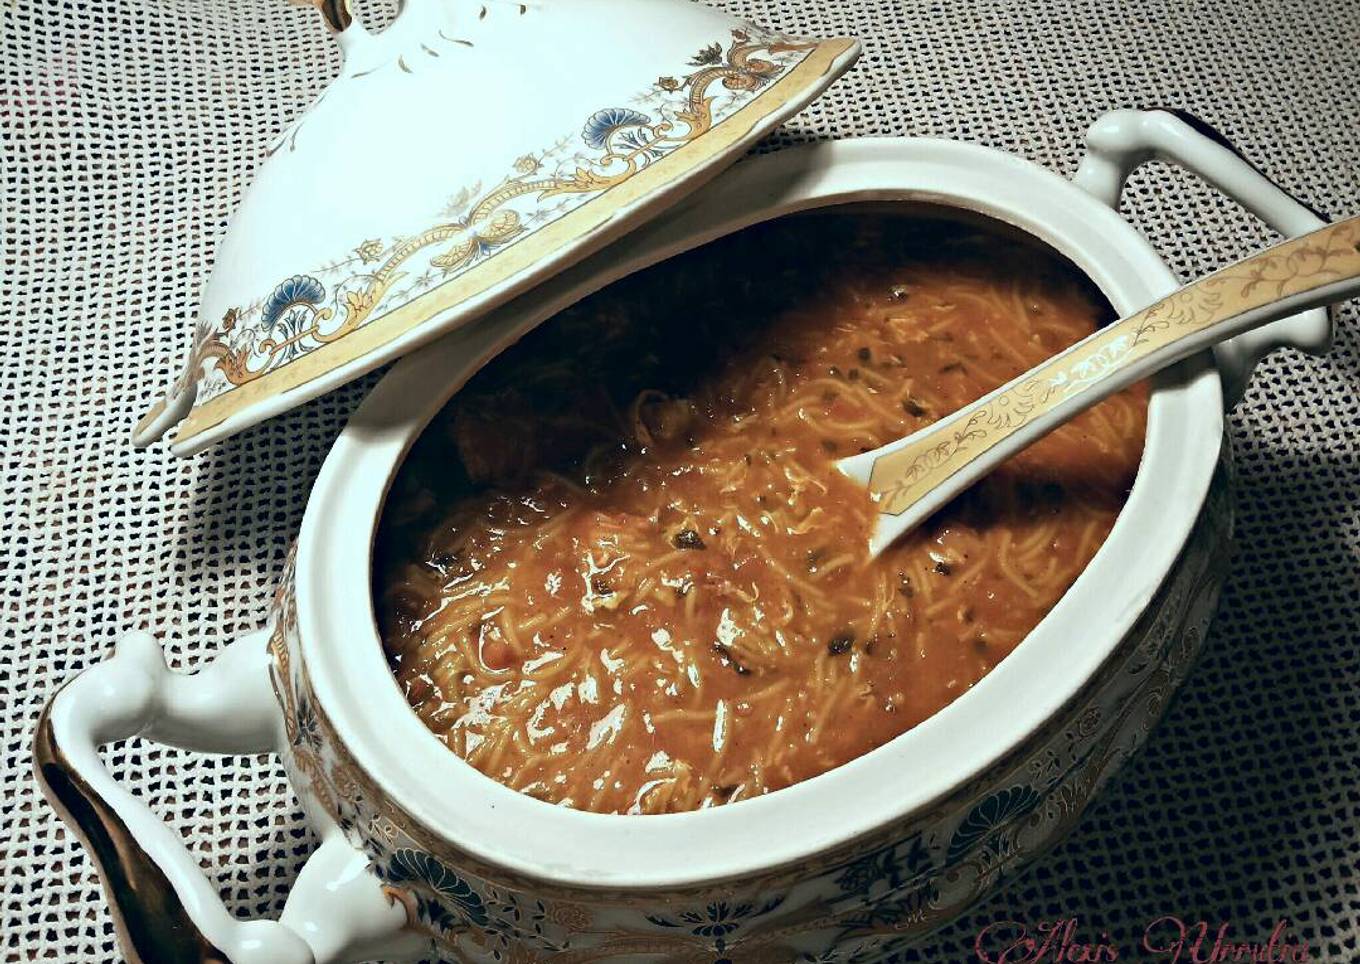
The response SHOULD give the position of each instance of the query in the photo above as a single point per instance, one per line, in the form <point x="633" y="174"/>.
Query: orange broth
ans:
<point x="620" y="572"/>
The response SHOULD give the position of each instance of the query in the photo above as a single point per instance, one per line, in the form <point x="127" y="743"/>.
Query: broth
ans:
<point x="620" y="572"/>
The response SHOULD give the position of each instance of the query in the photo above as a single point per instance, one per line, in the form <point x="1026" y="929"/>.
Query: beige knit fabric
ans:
<point x="129" y="129"/>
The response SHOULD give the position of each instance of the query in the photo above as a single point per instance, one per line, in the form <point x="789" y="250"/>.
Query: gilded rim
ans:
<point x="352" y="482"/>
<point x="576" y="234"/>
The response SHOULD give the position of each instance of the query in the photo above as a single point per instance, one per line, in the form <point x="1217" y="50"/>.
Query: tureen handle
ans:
<point x="1122" y="140"/>
<point x="164" y="908"/>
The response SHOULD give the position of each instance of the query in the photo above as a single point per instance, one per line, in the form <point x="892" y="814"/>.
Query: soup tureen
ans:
<point x="422" y="854"/>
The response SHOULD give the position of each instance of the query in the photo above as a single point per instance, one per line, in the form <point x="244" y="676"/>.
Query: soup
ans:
<point x="620" y="572"/>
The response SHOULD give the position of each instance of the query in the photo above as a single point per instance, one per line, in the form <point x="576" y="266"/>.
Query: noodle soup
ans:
<point x="620" y="571"/>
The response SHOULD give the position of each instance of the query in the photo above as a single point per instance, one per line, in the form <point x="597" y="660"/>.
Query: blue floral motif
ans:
<point x="602" y="123"/>
<point x="435" y="914"/>
<point x="417" y="867"/>
<point x="710" y="55"/>
<point x="986" y="817"/>
<point x="884" y="870"/>
<point x="308" y="725"/>
<point x="298" y="290"/>
<point x="718" y="919"/>
<point x="722" y="920"/>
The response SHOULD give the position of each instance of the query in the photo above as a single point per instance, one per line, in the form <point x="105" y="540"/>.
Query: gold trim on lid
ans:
<point x="242" y="390"/>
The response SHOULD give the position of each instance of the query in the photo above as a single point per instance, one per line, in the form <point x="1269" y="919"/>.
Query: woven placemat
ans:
<point x="129" y="130"/>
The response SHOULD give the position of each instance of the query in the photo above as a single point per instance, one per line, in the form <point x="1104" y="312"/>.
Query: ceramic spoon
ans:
<point x="914" y="476"/>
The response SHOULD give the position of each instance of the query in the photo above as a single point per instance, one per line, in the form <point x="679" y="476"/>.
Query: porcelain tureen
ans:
<point x="422" y="854"/>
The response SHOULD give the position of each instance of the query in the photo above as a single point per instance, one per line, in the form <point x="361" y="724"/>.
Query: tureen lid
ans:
<point x="466" y="152"/>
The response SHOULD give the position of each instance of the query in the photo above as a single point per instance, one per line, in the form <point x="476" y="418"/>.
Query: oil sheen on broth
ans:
<point x="621" y="573"/>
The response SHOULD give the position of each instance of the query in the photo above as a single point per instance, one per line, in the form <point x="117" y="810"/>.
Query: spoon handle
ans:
<point x="914" y="476"/>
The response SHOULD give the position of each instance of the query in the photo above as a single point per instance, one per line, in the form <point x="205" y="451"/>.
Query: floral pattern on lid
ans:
<point x="258" y="351"/>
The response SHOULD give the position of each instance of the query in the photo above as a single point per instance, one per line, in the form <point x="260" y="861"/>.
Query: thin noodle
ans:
<point x="621" y="572"/>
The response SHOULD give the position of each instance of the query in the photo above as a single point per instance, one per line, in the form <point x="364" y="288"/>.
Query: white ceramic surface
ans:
<point x="466" y="152"/>
<point x="923" y="825"/>
<point x="911" y="478"/>
<point x="579" y="848"/>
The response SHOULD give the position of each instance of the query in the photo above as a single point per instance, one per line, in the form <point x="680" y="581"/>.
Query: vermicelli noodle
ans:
<point x="621" y="573"/>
